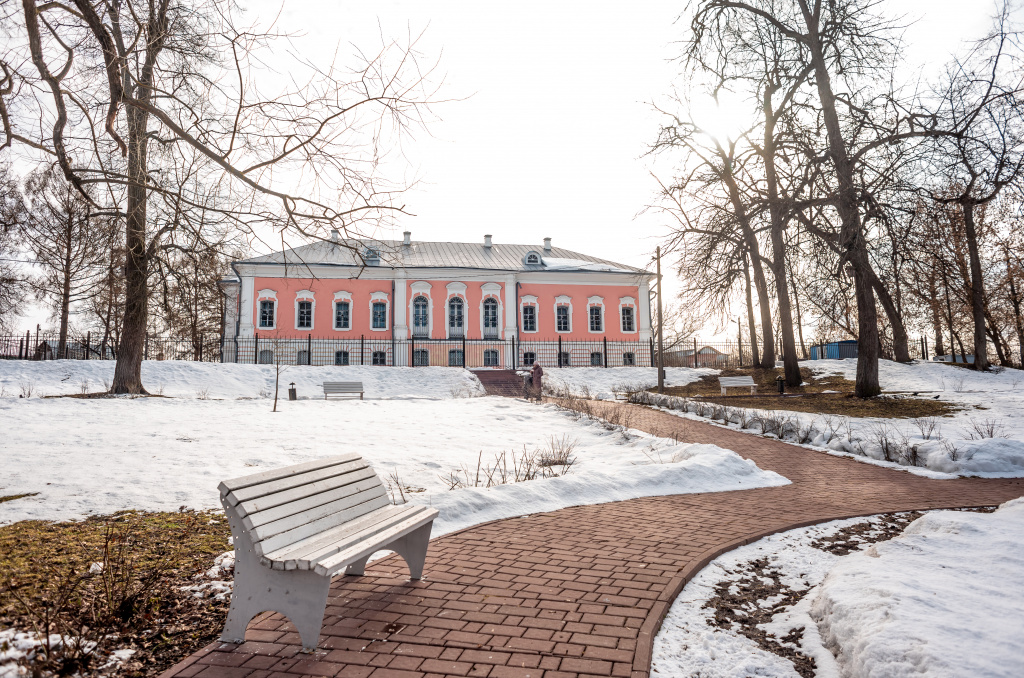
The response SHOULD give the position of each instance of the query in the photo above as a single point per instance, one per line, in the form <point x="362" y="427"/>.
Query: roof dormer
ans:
<point x="532" y="258"/>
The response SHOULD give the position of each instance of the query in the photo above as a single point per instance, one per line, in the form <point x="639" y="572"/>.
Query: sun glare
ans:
<point x="723" y="120"/>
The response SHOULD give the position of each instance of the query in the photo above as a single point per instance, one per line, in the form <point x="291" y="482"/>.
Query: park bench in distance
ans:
<point x="343" y="388"/>
<point x="295" y="527"/>
<point x="726" y="382"/>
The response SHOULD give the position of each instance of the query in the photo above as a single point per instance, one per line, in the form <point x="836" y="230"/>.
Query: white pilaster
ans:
<point x="511" y="306"/>
<point x="401" y="306"/>
<point x="644" y="309"/>
<point x="246" y="327"/>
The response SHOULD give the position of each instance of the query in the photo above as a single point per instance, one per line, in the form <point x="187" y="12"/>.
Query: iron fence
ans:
<point x="47" y="346"/>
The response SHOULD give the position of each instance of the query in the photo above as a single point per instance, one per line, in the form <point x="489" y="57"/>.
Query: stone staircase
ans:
<point x="501" y="382"/>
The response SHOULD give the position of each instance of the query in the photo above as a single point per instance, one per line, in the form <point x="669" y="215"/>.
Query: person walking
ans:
<point x="536" y="378"/>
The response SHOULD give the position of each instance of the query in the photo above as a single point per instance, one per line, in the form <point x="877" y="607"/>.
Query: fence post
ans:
<point x="515" y="354"/>
<point x="256" y="348"/>
<point x="362" y="349"/>
<point x="651" y="347"/>
<point x="21" y="349"/>
<point x="412" y="351"/>
<point x="309" y="349"/>
<point x="463" y="349"/>
<point x="605" y="351"/>
<point x="558" y="360"/>
<point x="200" y="348"/>
<point x="924" y="356"/>
<point x="88" y="344"/>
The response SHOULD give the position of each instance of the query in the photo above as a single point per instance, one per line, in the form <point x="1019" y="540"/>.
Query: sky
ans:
<point x="550" y="113"/>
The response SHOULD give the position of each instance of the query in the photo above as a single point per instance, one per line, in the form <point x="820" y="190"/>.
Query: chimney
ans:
<point x="487" y="241"/>
<point x="334" y="235"/>
<point x="547" y="244"/>
<point x="408" y="238"/>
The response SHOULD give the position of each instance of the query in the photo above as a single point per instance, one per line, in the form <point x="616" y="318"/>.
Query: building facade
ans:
<point x="436" y="303"/>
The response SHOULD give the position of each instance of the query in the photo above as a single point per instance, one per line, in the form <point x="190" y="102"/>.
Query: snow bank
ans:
<point x="563" y="264"/>
<point x="98" y="456"/>
<point x="943" y="599"/>
<point x="186" y="379"/>
<point x="602" y="383"/>
<point x="695" y="468"/>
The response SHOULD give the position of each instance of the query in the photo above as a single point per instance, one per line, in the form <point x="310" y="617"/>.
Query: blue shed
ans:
<point x="835" y="350"/>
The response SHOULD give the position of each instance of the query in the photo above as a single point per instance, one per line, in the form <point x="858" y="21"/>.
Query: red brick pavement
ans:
<point x="576" y="592"/>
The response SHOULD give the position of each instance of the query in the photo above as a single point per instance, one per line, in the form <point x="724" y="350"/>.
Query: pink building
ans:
<point x="345" y="302"/>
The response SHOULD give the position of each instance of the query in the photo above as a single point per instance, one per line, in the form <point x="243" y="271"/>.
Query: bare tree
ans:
<point x="13" y="286"/>
<point x="176" y="86"/>
<point x="66" y="243"/>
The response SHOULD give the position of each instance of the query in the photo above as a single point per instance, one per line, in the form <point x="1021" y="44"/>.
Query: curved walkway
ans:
<point x="576" y="592"/>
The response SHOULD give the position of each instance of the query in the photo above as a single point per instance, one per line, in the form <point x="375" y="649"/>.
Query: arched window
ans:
<point x="628" y="359"/>
<point x="380" y="358"/>
<point x="596" y="359"/>
<point x="529" y="358"/>
<point x="341" y="357"/>
<point x="490" y="358"/>
<point x="420" y="317"/>
<point x="266" y="356"/>
<point x="456" y="317"/>
<point x="490" y="318"/>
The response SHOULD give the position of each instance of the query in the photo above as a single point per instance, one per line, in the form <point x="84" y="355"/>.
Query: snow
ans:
<point x="945" y="598"/>
<point x="562" y="264"/>
<point x="186" y="379"/>
<point x="603" y="383"/>
<point x="985" y="438"/>
<point x="96" y="456"/>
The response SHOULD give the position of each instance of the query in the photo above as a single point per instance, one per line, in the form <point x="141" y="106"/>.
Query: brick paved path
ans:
<point x="577" y="592"/>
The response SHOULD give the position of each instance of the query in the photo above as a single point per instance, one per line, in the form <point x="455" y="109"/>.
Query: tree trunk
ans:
<point x="128" y="370"/>
<point x="900" y="341"/>
<point x="977" y="287"/>
<point x="933" y="303"/>
<point x="754" y="354"/>
<point x="1015" y="302"/>
<point x="799" y="318"/>
<point x="851" y="240"/>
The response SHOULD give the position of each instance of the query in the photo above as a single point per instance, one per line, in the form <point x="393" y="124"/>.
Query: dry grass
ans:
<point x="810" y="397"/>
<point x="115" y="581"/>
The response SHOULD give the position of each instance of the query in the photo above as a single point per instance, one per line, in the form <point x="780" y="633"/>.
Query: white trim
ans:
<point x="533" y="253"/>
<point x="644" y="311"/>
<point x="490" y="290"/>
<point x="528" y="300"/>
<point x="563" y="300"/>
<point x="376" y="297"/>
<point x="305" y="295"/>
<point x="265" y="295"/>
<point x="346" y="297"/>
<point x="629" y="302"/>
<point x="456" y="288"/>
<point x="599" y="302"/>
<point x="417" y="292"/>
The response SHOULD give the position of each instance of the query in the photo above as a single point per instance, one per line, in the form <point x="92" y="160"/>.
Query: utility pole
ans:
<point x="661" y="329"/>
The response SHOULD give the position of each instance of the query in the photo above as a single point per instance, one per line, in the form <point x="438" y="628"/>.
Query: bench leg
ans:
<point x="300" y="595"/>
<point x="413" y="548"/>
<point x="723" y="390"/>
<point x="357" y="568"/>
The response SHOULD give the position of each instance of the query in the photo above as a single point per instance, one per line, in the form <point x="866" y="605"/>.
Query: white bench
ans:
<point x="295" y="527"/>
<point x="726" y="382"/>
<point x="343" y="388"/>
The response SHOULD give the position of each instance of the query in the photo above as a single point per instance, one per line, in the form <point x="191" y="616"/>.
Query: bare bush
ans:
<point x="805" y="434"/>
<point x="27" y="388"/>
<point x="516" y="466"/>
<point x="985" y="428"/>
<point x="83" y="386"/>
<point x="958" y="383"/>
<point x="928" y="426"/>
<point x="772" y="423"/>
<point x="203" y="393"/>
<point x="952" y="451"/>
<point x="891" y="440"/>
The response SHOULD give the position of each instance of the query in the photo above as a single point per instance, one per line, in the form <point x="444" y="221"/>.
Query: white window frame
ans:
<point x="266" y="295"/>
<point x="596" y="302"/>
<point x="630" y="303"/>
<point x="491" y="290"/>
<point x="377" y="298"/>
<point x="348" y="357"/>
<point x="524" y="301"/>
<point x="563" y="300"/>
<point x="343" y="297"/>
<point x="305" y="295"/>
<point x="421" y="289"/>
<point x="456" y="289"/>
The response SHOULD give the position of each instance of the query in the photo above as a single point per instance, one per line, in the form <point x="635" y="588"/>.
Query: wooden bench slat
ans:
<point x="308" y="496"/>
<point x="300" y="532"/>
<point x="365" y="547"/>
<point x="246" y="495"/>
<point x="736" y="381"/>
<point x="322" y="545"/>
<point x="274" y="474"/>
<point x="312" y="515"/>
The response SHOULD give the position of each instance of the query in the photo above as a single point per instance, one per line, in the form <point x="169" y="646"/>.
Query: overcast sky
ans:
<point x="550" y="133"/>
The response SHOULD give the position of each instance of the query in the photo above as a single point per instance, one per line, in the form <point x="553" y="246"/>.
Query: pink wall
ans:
<point x="361" y="290"/>
<point x="323" y="310"/>
<point x="579" y="295"/>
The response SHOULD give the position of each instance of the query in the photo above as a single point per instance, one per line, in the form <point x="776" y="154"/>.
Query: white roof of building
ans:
<point x="393" y="253"/>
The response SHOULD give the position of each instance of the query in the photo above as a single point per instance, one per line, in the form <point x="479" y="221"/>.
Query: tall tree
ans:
<point x="175" y="81"/>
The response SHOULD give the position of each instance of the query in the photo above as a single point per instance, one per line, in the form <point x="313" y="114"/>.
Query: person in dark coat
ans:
<point x="536" y="377"/>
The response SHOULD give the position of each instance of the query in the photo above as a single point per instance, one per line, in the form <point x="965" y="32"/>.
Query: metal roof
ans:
<point x="394" y="253"/>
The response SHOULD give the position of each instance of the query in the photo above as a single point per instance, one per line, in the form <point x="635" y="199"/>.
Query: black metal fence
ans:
<point x="46" y="346"/>
<point x="414" y="352"/>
